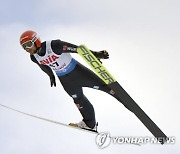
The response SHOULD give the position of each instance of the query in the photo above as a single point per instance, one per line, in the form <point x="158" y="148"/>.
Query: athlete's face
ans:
<point x="32" y="50"/>
<point x="30" y="46"/>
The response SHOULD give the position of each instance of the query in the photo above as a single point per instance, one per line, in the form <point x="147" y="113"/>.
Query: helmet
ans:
<point x="31" y="38"/>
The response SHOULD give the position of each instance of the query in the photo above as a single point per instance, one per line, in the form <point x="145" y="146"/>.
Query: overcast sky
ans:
<point x="142" y="38"/>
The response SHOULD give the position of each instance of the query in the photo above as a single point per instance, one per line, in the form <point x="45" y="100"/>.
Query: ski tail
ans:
<point x="130" y="104"/>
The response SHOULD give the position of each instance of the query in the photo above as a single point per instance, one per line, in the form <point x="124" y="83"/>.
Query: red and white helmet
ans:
<point x="28" y="38"/>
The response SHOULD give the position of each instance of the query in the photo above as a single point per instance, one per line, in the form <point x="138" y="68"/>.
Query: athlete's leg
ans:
<point x="85" y="107"/>
<point x="87" y="78"/>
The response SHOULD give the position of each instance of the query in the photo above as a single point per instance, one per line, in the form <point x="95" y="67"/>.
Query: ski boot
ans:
<point x="82" y="125"/>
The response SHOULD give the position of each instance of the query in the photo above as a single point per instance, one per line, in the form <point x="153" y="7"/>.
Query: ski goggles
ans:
<point x="29" y="44"/>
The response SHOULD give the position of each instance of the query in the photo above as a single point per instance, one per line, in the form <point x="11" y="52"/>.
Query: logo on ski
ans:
<point x="96" y="65"/>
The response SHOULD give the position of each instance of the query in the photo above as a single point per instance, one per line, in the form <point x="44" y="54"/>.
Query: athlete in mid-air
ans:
<point x="55" y="55"/>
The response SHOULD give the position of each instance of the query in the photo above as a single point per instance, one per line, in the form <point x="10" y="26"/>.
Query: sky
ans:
<point x="142" y="38"/>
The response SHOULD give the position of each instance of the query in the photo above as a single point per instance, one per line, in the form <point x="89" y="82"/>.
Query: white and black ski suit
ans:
<point x="55" y="55"/>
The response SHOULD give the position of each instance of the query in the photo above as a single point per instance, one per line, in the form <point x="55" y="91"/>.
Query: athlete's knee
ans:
<point x="78" y="98"/>
<point x="106" y="89"/>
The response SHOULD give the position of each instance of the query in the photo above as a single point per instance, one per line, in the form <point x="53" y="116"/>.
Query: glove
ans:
<point x="101" y="54"/>
<point x="53" y="81"/>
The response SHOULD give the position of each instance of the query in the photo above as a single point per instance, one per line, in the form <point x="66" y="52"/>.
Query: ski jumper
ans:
<point x="55" y="55"/>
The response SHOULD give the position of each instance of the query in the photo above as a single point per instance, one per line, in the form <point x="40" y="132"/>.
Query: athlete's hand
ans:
<point x="103" y="54"/>
<point x="53" y="81"/>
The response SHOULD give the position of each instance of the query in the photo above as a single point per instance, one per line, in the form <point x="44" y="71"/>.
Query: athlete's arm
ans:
<point x="60" y="47"/>
<point x="45" y="68"/>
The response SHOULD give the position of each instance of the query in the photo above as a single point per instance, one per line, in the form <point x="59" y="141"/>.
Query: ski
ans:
<point x="120" y="93"/>
<point x="51" y="121"/>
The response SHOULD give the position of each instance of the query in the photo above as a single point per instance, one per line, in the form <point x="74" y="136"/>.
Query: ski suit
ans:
<point x="55" y="55"/>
